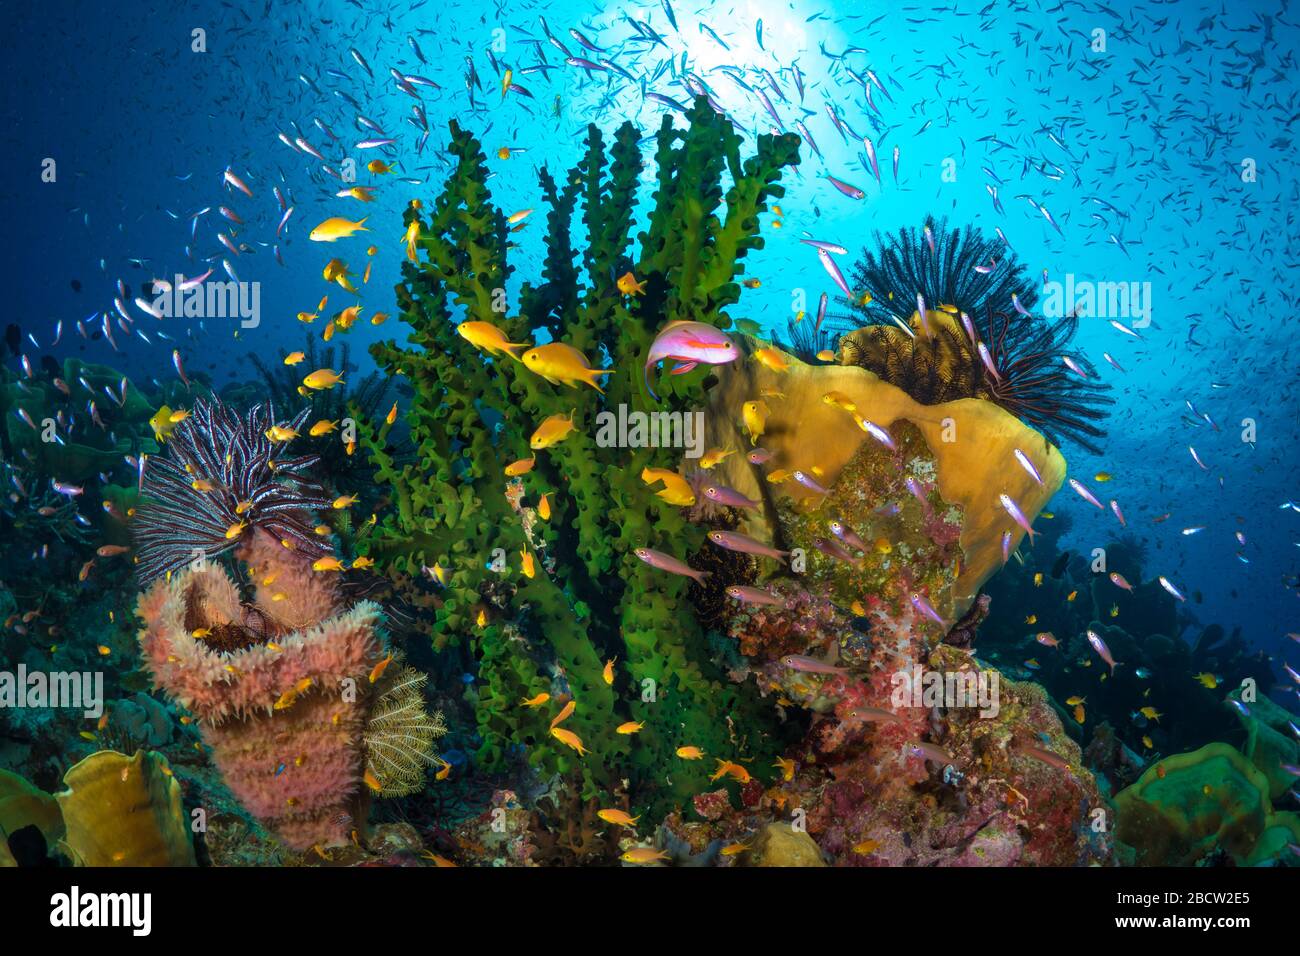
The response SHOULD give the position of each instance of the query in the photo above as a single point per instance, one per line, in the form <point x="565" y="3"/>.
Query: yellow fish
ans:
<point x="378" y="670"/>
<point x="840" y="400"/>
<point x="772" y="359"/>
<point x="363" y="562"/>
<point x="643" y="854"/>
<point x="521" y="467"/>
<point x="327" y="564"/>
<point x="553" y="430"/>
<point x="562" y="364"/>
<point x="1032" y="619"/>
<point x="628" y="284"/>
<point x="343" y="501"/>
<point x="1075" y="701"/>
<point x="372" y="781"/>
<point x="733" y="770"/>
<point x="630" y="727"/>
<point x="537" y="701"/>
<point x="519" y="216"/>
<point x="1208" y="680"/>
<point x="618" y="818"/>
<point x="363" y="193"/>
<point x="544" y="508"/>
<point x="1080" y="715"/>
<point x="826" y="355"/>
<point x="1038" y="579"/>
<point x="569" y="739"/>
<point x="162" y="424"/>
<point x="336" y="228"/>
<point x="786" y="766"/>
<point x="690" y="753"/>
<point x="322" y="427"/>
<point x="410" y="237"/>
<point x="279" y="433"/>
<point x="378" y="167"/>
<point x="1150" y="713"/>
<point x="1101" y="476"/>
<point x="529" y="568"/>
<point x="755" y="415"/>
<point x="322" y="379"/>
<point x="486" y="337"/>
<point x="714" y="457"/>
<point x="293" y="358"/>
<point x="676" y="490"/>
<point x="608" y="673"/>
<point x="1148" y="742"/>
<point x="866" y="847"/>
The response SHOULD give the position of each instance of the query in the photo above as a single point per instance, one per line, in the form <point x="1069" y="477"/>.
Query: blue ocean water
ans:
<point x="1158" y="137"/>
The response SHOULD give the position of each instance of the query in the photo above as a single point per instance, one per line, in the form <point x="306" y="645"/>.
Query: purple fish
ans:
<point x="923" y="606"/>
<point x="748" y="595"/>
<point x="1082" y="491"/>
<point x="878" y="433"/>
<point x="666" y="562"/>
<point x="810" y="665"/>
<point x="811" y="483"/>
<point x="828" y="246"/>
<point x="759" y="456"/>
<point x="1028" y="465"/>
<point x="1102" y="650"/>
<point x="848" y="189"/>
<point x="1018" y="516"/>
<point x="833" y="550"/>
<point x="729" y="497"/>
<point x="834" y="272"/>
<point x="1006" y="546"/>
<point x="690" y="343"/>
<point x="1107" y="357"/>
<point x="1119" y="515"/>
<point x="735" y="541"/>
<point x="847" y="535"/>
<point x="871" y="156"/>
<point x="929" y="751"/>
<point x="1164" y="583"/>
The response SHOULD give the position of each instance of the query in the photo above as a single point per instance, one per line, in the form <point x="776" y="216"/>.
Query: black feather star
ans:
<point x="971" y="274"/>
<point x="220" y="480"/>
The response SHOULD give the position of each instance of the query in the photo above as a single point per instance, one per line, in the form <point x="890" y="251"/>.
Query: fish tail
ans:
<point x="646" y="376"/>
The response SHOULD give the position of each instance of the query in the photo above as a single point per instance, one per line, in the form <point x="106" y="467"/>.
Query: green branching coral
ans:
<point x="459" y="517"/>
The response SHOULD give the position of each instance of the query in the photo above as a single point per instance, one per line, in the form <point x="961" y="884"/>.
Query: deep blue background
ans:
<point x="1157" y="126"/>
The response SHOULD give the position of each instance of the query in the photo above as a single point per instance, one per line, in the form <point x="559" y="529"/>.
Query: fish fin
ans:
<point x="645" y="374"/>
<point x="683" y="368"/>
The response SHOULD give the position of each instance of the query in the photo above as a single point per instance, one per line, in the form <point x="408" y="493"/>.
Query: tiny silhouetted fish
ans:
<point x="1059" y="567"/>
<point x="76" y="285"/>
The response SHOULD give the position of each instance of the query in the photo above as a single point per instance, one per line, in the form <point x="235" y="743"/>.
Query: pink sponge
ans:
<point x="296" y="767"/>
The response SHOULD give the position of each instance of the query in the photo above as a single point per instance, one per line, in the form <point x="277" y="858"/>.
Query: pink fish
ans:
<point x="987" y="359"/>
<point x="666" y="562"/>
<point x="1114" y="506"/>
<point x="848" y="189"/>
<point x="1102" y="650"/>
<point x="1049" y="757"/>
<point x="1082" y="491"/>
<point x="1047" y="639"/>
<point x="1006" y="546"/>
<point x="1120" y="581"/>
<point x="874" y="715"/>
<point x="811" y="483"/>
<point x="1011" y="508"/>
<point x="1197" y="458"/>
<point x="871" y="156"/>
<point x="735" y="541"/>
<point x="1028" y="465"/>
<point x="847" y="535"/>
<point x="810" y="665"/>
<point x="834" y="272"/>
<point x="878" y="433"/>
<point x="1074" y="367"/>
<point x="833" y="550"/>
<point x="1114" y="364"/>
<point x="759" y="456"/>
<point x="729" y="497"/>
<point x="1165" y="583"/>
<point x="748" y="595"/>
<point x="922" y="605"/>
<point x="929" y="751"/>
<point x="689" y="343"/>
<point x="827" y="246"/>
